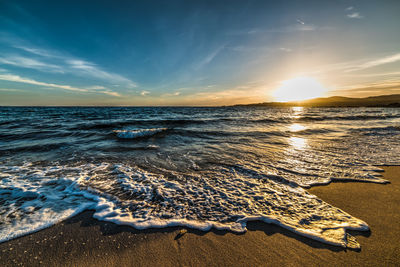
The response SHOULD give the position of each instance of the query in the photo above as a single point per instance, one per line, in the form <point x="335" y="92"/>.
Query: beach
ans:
<point x="84" y="241"/>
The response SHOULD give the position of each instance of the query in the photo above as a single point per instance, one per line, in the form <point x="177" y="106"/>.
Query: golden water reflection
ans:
<point x="296" y="127"/>
<point x="297" y="143"/>
<point x="297" y="110"/>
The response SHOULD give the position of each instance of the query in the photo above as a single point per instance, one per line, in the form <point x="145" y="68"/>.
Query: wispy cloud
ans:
<point x="383" y="74"/>
<point x="381" y="87"/>
<point x="16" y="78"/>
<point x="96" y="87"/>
<point x="53" y="61"/>
<point x="10" y="90"/>
<point x="375" y="62"/>
<point x="19" y="79"/>
<point x="92" y="70"/>
<point x="356" y="65"/>
<point x="38" y="51"/>
<point x="210" y="57"/>
<point x="144" y="93"/>
<point x="111" y="93"/>
<point x="171" y="94"/>
<point x="300" y="26"/>
<point x="300" y="21"/>
<point x="285" y="49"/>
<point x="30" y="63"/>
<point x="354" y="15"/>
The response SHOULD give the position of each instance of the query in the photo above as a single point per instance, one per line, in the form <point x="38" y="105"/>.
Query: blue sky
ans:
<point x="193" y="52"/>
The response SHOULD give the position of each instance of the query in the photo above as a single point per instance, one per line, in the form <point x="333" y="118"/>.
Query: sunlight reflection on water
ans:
<point x="297" y="143"/>
<point x="295" y="127"/>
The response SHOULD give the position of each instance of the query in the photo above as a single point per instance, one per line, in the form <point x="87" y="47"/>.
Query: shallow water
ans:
<point x="195" y="167"/>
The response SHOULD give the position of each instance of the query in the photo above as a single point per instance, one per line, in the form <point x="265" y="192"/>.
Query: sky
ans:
<point x="173" y="53"/>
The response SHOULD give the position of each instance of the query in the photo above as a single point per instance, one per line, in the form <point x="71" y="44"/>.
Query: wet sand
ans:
<point x="84" y="241"/>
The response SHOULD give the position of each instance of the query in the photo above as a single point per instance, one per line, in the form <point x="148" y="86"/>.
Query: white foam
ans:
<point x="131" y="134"/>
<point x="127" y="195"/>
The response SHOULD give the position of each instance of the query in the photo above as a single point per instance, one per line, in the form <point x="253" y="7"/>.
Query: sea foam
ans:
<point x="131" y="134"/>
<point x="38" y="197"/>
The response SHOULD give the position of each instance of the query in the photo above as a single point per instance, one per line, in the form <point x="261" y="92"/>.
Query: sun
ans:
<point x="298" y="89"/>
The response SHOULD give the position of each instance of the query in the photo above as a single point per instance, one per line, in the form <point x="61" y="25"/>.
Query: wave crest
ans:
<point x="132" y="134"/>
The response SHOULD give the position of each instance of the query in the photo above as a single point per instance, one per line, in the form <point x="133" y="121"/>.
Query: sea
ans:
<point x="195" y="167"/>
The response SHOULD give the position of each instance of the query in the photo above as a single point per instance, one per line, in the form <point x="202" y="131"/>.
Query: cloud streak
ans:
<point x="144" y="93"/>
<point x="55" y="62"/>
<point x="94" y="89"/>
<point x="354" y="15"/>
<point x="375" y="63"/>
<point x="300" y="26"/>
<point x="16" y="78"/>
<point x="382" y="87"/>
<point x="92" y="70"/>
<point x="30" y="63"/>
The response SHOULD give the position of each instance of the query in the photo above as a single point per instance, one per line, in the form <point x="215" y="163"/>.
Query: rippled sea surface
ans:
<point x="194" y="167"/>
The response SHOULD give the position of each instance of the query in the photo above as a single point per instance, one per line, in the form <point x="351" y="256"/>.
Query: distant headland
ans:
<point x="337" y="101"/>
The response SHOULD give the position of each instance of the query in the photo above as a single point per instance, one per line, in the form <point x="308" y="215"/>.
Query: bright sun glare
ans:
<point x="298" y="89"/>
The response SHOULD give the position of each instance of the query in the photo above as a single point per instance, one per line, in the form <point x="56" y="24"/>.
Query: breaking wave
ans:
<point x="132" y="134"/>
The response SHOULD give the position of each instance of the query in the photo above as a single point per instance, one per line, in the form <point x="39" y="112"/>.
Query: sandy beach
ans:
<point x="84" y="241"/>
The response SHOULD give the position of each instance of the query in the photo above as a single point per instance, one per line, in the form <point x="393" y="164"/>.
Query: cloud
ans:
<point x="10" y="90"/>
<point x="93" y="89"/>
<point x="53" y="61"/>
<point x="96" y="87"/>
<point x="288" y="29"/>
<point x="381" y="88"/>
<point x="301" y="22"/>
<point x="376" y="62"/>
<point x="29" y="63"/>
<point x="300" y="26"/>
<point x="37" y="51"/>
<point x="354" y="15"/>
<point x="284" y="49"/>
<point x="111" y="93"/>
<point x="92" y="70"/>
<point x="356" y="65"/>
<point x="171" y="94"/>
<point x="395" y="73"/>
<point x="16" y="78"/>
<point x="210" y="57"/>
<point x="144" y="93"/>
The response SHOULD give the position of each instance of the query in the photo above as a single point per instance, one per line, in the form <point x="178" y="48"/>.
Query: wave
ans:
<point x="347" y="118"/>
<point x="313" y="131"/>
<point x="378" y="131"/>
<point x="132" y="134"/>
<point x="36" y="148"/>
<point x="37" y="197"/>
<point x="100" y="125"/>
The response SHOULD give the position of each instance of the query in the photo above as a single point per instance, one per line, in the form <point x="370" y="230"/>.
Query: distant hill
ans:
<point x="338" y="101"/>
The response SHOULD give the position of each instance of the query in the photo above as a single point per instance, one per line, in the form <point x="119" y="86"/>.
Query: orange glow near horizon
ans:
<point x="298" y="89"/>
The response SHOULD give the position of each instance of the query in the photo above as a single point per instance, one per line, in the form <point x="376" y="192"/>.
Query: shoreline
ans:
<point x="85" y="241"/>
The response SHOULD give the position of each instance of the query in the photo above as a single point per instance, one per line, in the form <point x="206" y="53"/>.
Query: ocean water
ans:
<point x="194" y="167"/>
